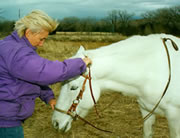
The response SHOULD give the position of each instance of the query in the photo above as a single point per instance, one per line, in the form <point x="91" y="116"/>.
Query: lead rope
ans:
<point x="82" y="119"/>
<point x="169" y="79"/>
<point x="92" y="124"/>
<point x="90" y="85"/>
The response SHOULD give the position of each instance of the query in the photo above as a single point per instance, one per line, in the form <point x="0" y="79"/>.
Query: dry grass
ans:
<point x="87" y="37"/>
<point x="122" y="117"/>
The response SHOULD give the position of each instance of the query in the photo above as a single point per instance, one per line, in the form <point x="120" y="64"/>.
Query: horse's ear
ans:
<point x="81" y="51"/>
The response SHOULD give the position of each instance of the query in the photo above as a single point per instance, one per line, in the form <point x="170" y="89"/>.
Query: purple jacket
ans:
<point x="24" y="76"/>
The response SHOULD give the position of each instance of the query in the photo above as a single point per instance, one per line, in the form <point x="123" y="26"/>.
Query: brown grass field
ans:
<point x="120" y="114"/>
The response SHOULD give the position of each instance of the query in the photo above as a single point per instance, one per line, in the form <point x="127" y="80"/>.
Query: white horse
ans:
<point x="137" y="66"/>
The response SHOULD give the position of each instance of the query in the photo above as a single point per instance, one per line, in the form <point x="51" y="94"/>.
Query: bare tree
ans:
<point x="175" y="13"/>
<point x="168" y="18"/>
<point x="113" y="18"/>
<point x="68" y="24"/>
<point x="124" y="19"/>
<point x="164" y="15"/>
<point x="87" y="24"/>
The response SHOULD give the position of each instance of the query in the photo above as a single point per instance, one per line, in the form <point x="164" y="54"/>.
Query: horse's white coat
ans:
<point x="137" y="66"/>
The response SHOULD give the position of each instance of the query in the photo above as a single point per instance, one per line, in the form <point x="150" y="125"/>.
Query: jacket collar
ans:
<point x="22" y="40"/>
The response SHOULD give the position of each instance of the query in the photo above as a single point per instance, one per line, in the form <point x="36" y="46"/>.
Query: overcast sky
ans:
<point x="80" y="8"/>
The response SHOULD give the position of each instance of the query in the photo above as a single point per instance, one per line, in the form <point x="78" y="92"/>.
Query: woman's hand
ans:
<point x="87" y="61"/>
<point x="52" y="103"/>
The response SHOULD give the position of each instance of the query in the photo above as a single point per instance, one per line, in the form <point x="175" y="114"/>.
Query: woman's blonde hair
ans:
<point x="36" y="21"/>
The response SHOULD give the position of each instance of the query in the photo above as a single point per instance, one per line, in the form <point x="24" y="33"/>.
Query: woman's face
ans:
<point x="36" y="39"/>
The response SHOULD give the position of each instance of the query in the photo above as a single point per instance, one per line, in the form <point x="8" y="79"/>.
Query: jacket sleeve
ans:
<point x="27" y="65"/>
<point x="46" y="94"/>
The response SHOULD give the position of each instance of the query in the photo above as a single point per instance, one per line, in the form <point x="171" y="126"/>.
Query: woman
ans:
<point x="24" y="75"/>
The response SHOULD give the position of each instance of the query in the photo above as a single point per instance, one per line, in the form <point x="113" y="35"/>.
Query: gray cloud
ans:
<point x="81" y="8"/>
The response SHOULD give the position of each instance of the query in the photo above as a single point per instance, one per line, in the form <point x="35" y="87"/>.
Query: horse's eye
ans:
<point x="74" y="88"/>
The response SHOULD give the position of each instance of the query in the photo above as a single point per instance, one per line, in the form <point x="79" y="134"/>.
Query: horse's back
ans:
<point x="145" y="61"/>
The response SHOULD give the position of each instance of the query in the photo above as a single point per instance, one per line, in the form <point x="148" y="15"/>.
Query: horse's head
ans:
<point x="69" y="91"/>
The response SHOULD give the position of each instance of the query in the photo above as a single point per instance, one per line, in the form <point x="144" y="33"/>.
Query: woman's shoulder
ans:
<point x="12" y="47"/>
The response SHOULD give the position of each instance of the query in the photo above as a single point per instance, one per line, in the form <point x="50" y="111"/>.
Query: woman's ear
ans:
<point x="27" y="33"/>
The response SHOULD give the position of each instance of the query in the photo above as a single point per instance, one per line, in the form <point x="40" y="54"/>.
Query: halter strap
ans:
<point x="72" y="110"/>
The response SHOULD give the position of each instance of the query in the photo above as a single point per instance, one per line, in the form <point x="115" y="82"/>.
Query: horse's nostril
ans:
<point x="65" y="127"/>
<point x="56" y="124"/>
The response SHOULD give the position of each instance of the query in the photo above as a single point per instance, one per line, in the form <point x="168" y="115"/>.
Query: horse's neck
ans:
<point x="110" y="70"/>
<point x="132" y="67"/>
